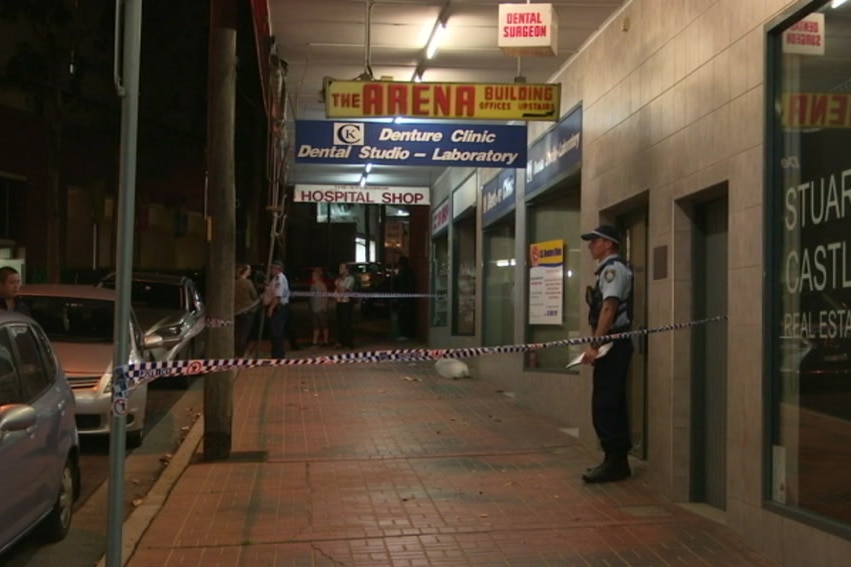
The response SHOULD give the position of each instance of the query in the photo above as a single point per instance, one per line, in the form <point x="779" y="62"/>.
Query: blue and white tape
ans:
<point x="359" y="294"/>
<point x="148" y="371"/>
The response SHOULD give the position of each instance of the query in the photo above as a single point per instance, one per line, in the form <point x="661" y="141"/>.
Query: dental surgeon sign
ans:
<point x="427" y="143"/>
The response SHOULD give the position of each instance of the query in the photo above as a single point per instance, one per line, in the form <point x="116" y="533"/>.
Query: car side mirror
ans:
<point x="152" y="341"/>
<point x="16" y="417"/>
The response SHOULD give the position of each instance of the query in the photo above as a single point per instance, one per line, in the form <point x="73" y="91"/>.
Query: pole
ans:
<point x="128" y="90"/>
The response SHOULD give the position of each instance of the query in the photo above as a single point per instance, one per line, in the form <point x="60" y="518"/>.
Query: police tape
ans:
<point x="359" y="294"/>
<point x="144" y="372"/>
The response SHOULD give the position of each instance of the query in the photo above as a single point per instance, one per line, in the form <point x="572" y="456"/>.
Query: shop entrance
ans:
<point x="709" y="363"/>
<point x="633" y="226"/>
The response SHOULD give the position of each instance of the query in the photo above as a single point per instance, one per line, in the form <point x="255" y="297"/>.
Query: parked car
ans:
<point x="371" y="277"/>
<point x="39" y="446"/>
<point x="169" y="307"/>
<point x="78" y="320"/>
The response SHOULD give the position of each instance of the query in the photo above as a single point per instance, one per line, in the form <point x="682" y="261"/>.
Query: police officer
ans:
<point x="609" y="312"/>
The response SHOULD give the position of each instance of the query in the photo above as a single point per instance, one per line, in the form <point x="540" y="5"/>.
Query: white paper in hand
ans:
<point x="601" y="352"/>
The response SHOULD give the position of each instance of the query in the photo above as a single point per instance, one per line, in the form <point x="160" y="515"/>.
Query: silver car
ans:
<point x="78" y="320"/>
<point x="171" y="311"/>
<point x="39" y="447"/>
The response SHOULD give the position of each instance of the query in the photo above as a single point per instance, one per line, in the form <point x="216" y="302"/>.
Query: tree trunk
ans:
<point x="218" y="387"/>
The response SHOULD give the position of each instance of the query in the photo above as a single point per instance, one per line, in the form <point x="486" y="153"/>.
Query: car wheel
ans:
<point x="56" y="525"/>
<point x="134" y="438"/>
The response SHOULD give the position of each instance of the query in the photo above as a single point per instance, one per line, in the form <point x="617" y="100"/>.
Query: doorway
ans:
<point x="633" y="226"/>
<point x="709" y="360"/>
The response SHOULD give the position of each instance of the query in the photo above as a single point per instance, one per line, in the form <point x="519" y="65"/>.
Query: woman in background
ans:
<point x="244" y="309"/>
<point x="319" y="307"/>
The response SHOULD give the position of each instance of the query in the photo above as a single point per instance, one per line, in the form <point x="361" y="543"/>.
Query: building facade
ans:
<point x="710" y="132"/>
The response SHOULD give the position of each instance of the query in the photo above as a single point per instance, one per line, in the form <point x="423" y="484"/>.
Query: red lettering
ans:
<point x="797" y="109"/>
<point x="442" y="99"/>
<point x="421" y="100"/>
<point x="838" y="110"/>
<point x="398" y="99"/>
<point x="373" y="99"/>
<point x="465" y="103"/>
<point x="818" y="109"/>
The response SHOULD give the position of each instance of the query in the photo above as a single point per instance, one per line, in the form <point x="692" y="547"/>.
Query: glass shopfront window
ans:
<point x="464" y="257"/>
<point x="464" y="269"/>
<point x="440" y="264"/>
<point x="808" y="296"/>
<point x="554" y="219"/>
<point x="498" y="312"/>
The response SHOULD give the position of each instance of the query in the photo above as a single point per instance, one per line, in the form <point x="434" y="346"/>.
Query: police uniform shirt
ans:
<point x="282" y="289"/>
<point x="615" y="280"/>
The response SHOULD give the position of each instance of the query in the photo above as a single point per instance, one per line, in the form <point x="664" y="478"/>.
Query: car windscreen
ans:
<point x="153" y="295"/>
<point x="73" y="319"/>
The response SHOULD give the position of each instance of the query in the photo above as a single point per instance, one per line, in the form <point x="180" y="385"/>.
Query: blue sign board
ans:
<point x="499" y="196"/>
<point x="423" y="143"/>
<point x="555" y="154"/>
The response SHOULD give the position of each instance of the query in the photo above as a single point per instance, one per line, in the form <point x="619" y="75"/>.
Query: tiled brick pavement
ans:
<point x="392" y="465"/>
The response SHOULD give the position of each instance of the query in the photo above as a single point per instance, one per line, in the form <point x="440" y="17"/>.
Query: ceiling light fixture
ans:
<point x="837" y="3"/>
<point x="436" y="38"/>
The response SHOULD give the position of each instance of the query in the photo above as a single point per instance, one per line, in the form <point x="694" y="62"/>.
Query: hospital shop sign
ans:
<point x="452" y="101"/>
<point x="438" y="144"/>
<point x="376" y="195"/>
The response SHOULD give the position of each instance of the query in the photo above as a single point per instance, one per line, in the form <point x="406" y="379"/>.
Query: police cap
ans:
<point x="604" y="231"/>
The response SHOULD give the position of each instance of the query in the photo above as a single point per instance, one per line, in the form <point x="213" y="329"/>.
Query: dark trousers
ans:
<point x="242" y="325"/>
<point x="344" y="324"/>
<point x="608" y="402"/>
<point x="278" y="329"/>
<point x="406" y="311"/>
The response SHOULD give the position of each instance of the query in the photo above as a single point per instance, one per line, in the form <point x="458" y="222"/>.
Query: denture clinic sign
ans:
<point x="451" y="101"/>
<point x="528" y="30"/>
<point x="370" y="195"/>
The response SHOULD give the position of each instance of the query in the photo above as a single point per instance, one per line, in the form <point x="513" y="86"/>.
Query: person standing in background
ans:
<point x="405" y="306"/>
<point x="344" y="284"/>
<point x="609" y="313"/>
<point x="10" y="287"/>
<point x="278" y="308"/>
<point x="244" y="309"/>
<point x="319" y="307"/>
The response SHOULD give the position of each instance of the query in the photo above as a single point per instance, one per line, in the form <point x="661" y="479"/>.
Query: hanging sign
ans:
<point x="369" y="195"/>
<point x="816" y="110"/>
<point x="451" y="101"/>
<point x="555" y="154"/>
<point x="440" y="218"/>
<point x="805" y="37"/>
<point x="498" y="196"/>
<point x="441" y="144"/>
<point x="528" y="30"/>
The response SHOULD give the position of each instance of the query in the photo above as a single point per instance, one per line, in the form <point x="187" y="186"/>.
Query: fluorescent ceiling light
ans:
<point x="435" y="40"/>
<point x="837" y="3"/>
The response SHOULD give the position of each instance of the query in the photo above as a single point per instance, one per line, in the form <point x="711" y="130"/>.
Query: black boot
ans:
<point x="614" y="468"/>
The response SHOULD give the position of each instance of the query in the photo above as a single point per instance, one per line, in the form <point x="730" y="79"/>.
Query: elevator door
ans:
<point x="709" y="385"/>
<point x="634" y="229"/>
